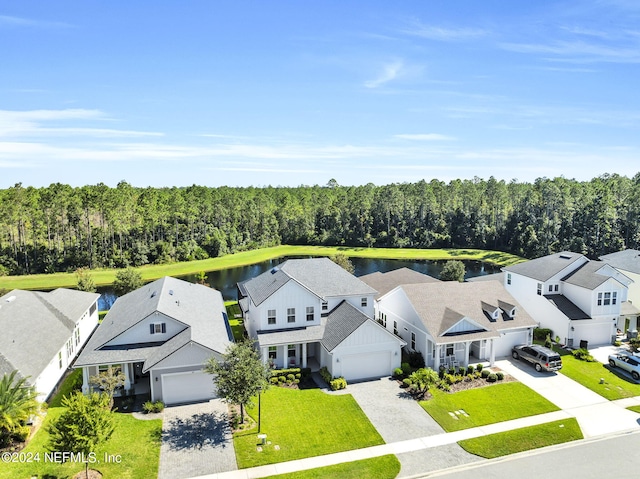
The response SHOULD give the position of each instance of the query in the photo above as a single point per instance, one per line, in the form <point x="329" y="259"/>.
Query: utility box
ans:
<point x="632" y="334"/>
<point x="584" y="344"/>
<point x="262" y="438"/>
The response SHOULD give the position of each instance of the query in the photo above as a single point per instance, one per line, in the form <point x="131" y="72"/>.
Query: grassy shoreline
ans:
<point x="150" y="272"/>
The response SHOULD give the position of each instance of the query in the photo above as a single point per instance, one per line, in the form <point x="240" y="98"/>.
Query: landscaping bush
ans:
<point x="441" y="372"/>
<point x="406" y="382"/>
<point x="541" y="333"/>
<point x="338" y="383"/>
<point x="397" y="372"/>
<point x="291" y="377"/>
<point x="273" y="380"/>
<point x="151" y="407"/>
<point x="479" y="367"/>
<point x="462" y="371"/>
<point x="298" y="376"/>
<point x="406" y="368"/>
<point x="305" y="372"/>
<point x="547" y="342"/>
<point x="452" y="371"/>
<point x="500" y="375"/>
<point x="326" y="375"/>
<point x="485" y="373"/>
<point x="159" y="406"/>
<point x="583" y="355"/>
<point x="470" y="369"/>
<point x="281" y="379"/>
<point x="492" y="378"/>
<point x="416" y="360"/>
<point x="296" y="381"/>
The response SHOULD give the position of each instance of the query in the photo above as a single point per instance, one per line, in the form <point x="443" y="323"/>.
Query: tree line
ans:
<point x="62" y="228"/>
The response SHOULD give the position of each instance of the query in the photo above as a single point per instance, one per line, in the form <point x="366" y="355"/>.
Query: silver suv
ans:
<point x="539" y="356"/>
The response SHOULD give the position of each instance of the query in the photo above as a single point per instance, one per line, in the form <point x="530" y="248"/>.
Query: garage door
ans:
<point x="594" y="334"/>
<point x="504" y="344"/>
<point x="187" y="387"/>
<point x="364" y="366"/>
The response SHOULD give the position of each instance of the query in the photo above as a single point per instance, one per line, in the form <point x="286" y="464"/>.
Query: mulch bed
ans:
<point x="93" y="474"/>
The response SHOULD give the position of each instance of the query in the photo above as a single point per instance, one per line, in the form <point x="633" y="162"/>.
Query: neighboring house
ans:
<point x="160" y="336"/>
<point x="453" y="324"/>
<point x="579" y="299"/>
<point x="42" y="333"/>
<point x="385" y="282"/>
<point x="628" y="263"/>
<point x="313" y="313"/>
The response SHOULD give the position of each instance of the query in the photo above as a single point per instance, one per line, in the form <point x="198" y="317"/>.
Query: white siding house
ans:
<point x="628" y="263"/>
<point x="42" y="333"/>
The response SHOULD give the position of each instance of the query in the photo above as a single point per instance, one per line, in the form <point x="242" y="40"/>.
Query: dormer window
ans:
<point x="363" y="302"/>
<point x="158" y="328"/>
<point x="325" y="306"/>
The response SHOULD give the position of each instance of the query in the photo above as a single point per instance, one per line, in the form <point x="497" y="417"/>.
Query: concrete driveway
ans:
<point x="196" y="440"/>
<point x="398" y="417"/>
<point x="595" y="414"/>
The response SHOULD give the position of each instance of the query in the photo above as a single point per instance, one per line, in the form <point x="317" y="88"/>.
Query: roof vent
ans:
<point x="565" y="256"/>
<point x="10" y="299"/>
<point x="274" y="270"/>
<point x="154" y="294"/>
<point x="171" y="292"/>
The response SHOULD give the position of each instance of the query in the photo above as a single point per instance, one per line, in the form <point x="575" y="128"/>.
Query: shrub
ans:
<point x="148" y="407"/>
<point x="416" y="360"/>
<point x="477" y="374"/>
<point x="462" y="371"/>
<point x="397" y="372"/>
<point x="452" y="371"/>
<point x="298" y="376"/>
<point x="326" y="375"/>
<point x="485" y="373"/>
<point x="547" y="342"/>
<point x="444" y="386"/>
<point x="479" y="367"/>
<point x="406" y="382"/>
<point x="291" y="377"/>
<point x="541" y="333"/>
<point x="583" y="355"/>
<point x="449" y="379"/>
<point x="406" y="369"/>
<point x="338" y="383"/>
<point x="159" y="406"/>
<point x="20" y="433"/>
<point x="296" y="381"/>
<point x="273" y="380"/>
<point x="491" y="378"/>
<point x="305" y="372"/>
<point x="617" y="343"/>
<point x="470" y="369"/>
<point x="281" y="379"/>
<point x="500" y="375"/>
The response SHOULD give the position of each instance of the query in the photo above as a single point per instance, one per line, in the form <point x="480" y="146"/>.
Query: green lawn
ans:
<point x="485" y="405"/>
<point x="524" y="439"/>
<point x="237" y="324"/>
<point x="136" y="441"/>
<point x="634" y="409"/>
<point x="615" y="385"/>
<point x="151" y="272"/>
<point x="75" y="377"/>
<point x="304" y="423"/>
<point x="383" y="467"/>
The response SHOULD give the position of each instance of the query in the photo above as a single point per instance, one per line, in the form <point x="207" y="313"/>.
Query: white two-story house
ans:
<point x="313" y="313"/>
<point x="628" y="263"/>
<point x="579" y="299"/>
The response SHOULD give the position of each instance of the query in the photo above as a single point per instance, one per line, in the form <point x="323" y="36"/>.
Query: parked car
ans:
<point x="631" y="364"/>
<point x="539" y="356"/>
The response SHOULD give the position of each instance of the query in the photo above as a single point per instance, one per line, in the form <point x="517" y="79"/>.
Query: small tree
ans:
<point x="202" y="277"/>
<point x="127" y="280"/>
<point x="343" y="261"/>
<point x="422" y="379"/>
<point x="86" y="422"/>
<point x="453" y="270"/>
<point x="17" y="402"/>
<point x="85" y="281"/>
<point x="108" y="381"/>
<point x="240" y="375"/>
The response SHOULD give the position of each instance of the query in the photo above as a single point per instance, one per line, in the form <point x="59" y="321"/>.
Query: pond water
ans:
<point x="225" y="280"/>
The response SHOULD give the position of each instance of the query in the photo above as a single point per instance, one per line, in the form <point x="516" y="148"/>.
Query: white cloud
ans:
<point x="389" y="72"/>
<point x="29" y="22"/>
<point x="425" y="137"/>
<point x="444" y="34"/>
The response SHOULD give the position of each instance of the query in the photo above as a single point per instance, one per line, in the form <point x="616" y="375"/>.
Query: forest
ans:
<point x="62" y="228"/>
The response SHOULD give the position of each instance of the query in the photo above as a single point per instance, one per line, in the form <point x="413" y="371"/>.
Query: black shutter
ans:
<point x="152" y="328"/>
<point x="164" y="327"/>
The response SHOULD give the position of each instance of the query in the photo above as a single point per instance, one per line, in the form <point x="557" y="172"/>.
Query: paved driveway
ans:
<point x="398" y="417"/>
<point x="196" y="440"/>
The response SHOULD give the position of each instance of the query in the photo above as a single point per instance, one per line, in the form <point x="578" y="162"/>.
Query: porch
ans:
<point x="136" y="382"/>
<point x="460" y="354"/>
<point x="294" y="355"/>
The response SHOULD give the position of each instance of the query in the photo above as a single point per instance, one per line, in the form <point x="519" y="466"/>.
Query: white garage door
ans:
<point x="364" y="366"/>
<point x="595" y="334"/>
<point x="504" y="344"/>
<point x="187" y="387"/>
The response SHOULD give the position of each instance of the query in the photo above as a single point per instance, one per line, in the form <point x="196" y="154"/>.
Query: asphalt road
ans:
<point x="612" y="457"/>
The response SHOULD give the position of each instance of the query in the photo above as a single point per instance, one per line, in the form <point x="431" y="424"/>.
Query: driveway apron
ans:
<point x="196" y="440"/>
<point x="398" y="417"/>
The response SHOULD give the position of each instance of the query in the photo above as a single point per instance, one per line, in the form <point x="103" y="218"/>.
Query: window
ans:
<point x="449" y="350"/>
<point x="60" y="359"/>
<point x="539" y="289"/>
<point x="363" y="302"/>
<point x="77" y="336"/>
<point x="310" y="313"/>
<point x="291" y="315"/>
<point x="551" y="288"/>
<point x="614" y="298"/>
<point x="395" y="327"/>
<point x="271" y="316"/>
<point x="93" y="308"/>
<point x="325" y="306"/>
<point x="273" y="352"/>
<point x="555" y="288"/>
<point x="413" y="341"/>
<point x="157" y="328"/>
<point x="599" y="299"/>
<point x="607" y="299"/>
<point x="508" y="278"/>
<point x="291" y="351"/>
<point x="384" y="319"/>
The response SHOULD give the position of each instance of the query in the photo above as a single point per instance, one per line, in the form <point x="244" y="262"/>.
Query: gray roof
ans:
<point x="586" y="276"/>
<point x="385" y="282"/>
<point x="627" y="260"/>
<point x="36" y="325"/>
<point x="441" y="305"/>
<point x="342" y="321"/>
<point x="293" y="335"/>
<point x="321" y="276"/>
<point x="546" y="267"/>
<point x="628" y="309"/>
<point x="487" y="277"/>
<point x="199" y="308"/>
<point x="566" y="306"/>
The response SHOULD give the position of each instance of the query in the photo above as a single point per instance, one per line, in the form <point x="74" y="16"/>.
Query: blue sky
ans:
<point x="294" y="92"/>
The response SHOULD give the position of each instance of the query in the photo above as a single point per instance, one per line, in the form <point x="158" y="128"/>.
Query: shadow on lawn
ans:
<point x="197" y="432"/>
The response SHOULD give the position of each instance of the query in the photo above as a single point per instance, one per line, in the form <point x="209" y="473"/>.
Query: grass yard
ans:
<point x="237" y="324"/>
<point x="485" y="405"/>
<point x="634" y="409"/>
<point x="383" y="467"/>
<point x="136" y="441"/>
<point x="615" y="385"/>
<point x="304" y="423"/>
<point x="524" y="439"/>
<point x="152" y="272"/>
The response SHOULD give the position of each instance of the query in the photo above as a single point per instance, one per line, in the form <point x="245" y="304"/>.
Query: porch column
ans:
<point x="492" y="356"/>
<point x="264" y="353"/>
<point x="127" y="376"/>
<point x="86" y="387"/>
<point x="304" y="355"/>
<point x="466" y="353"/>
<point x="436" y="361"/>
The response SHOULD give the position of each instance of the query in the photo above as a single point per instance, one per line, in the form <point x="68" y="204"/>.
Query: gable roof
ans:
<point x="321" y="276"/>
<point x="546" y="267"/>
<point x="566" y="306"/>
<point x="36" y="325"/>
<point x="440" y="306"/>
<point x="627" y="260"/>
<point x="385" y="282"/>
<point x="342" y="321"/>
<point x="587" y="276"/>
<point x="199" y="308"/>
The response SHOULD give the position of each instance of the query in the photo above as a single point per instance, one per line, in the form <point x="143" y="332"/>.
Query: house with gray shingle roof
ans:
<point x="313" y="313"/>
<point x="628" y="263"/>
<point x="42" y="333"/>
<point x="581" y="300"/>
<point x="453" y="324"/>
<point x="160" y="336"/>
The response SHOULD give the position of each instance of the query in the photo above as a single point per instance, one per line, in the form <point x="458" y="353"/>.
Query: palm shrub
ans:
<point x="17" y="402"/>
<point x="422" y="379"/>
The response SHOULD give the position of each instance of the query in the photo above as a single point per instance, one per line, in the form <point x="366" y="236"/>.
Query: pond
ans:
<point x="225" y="280"/>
